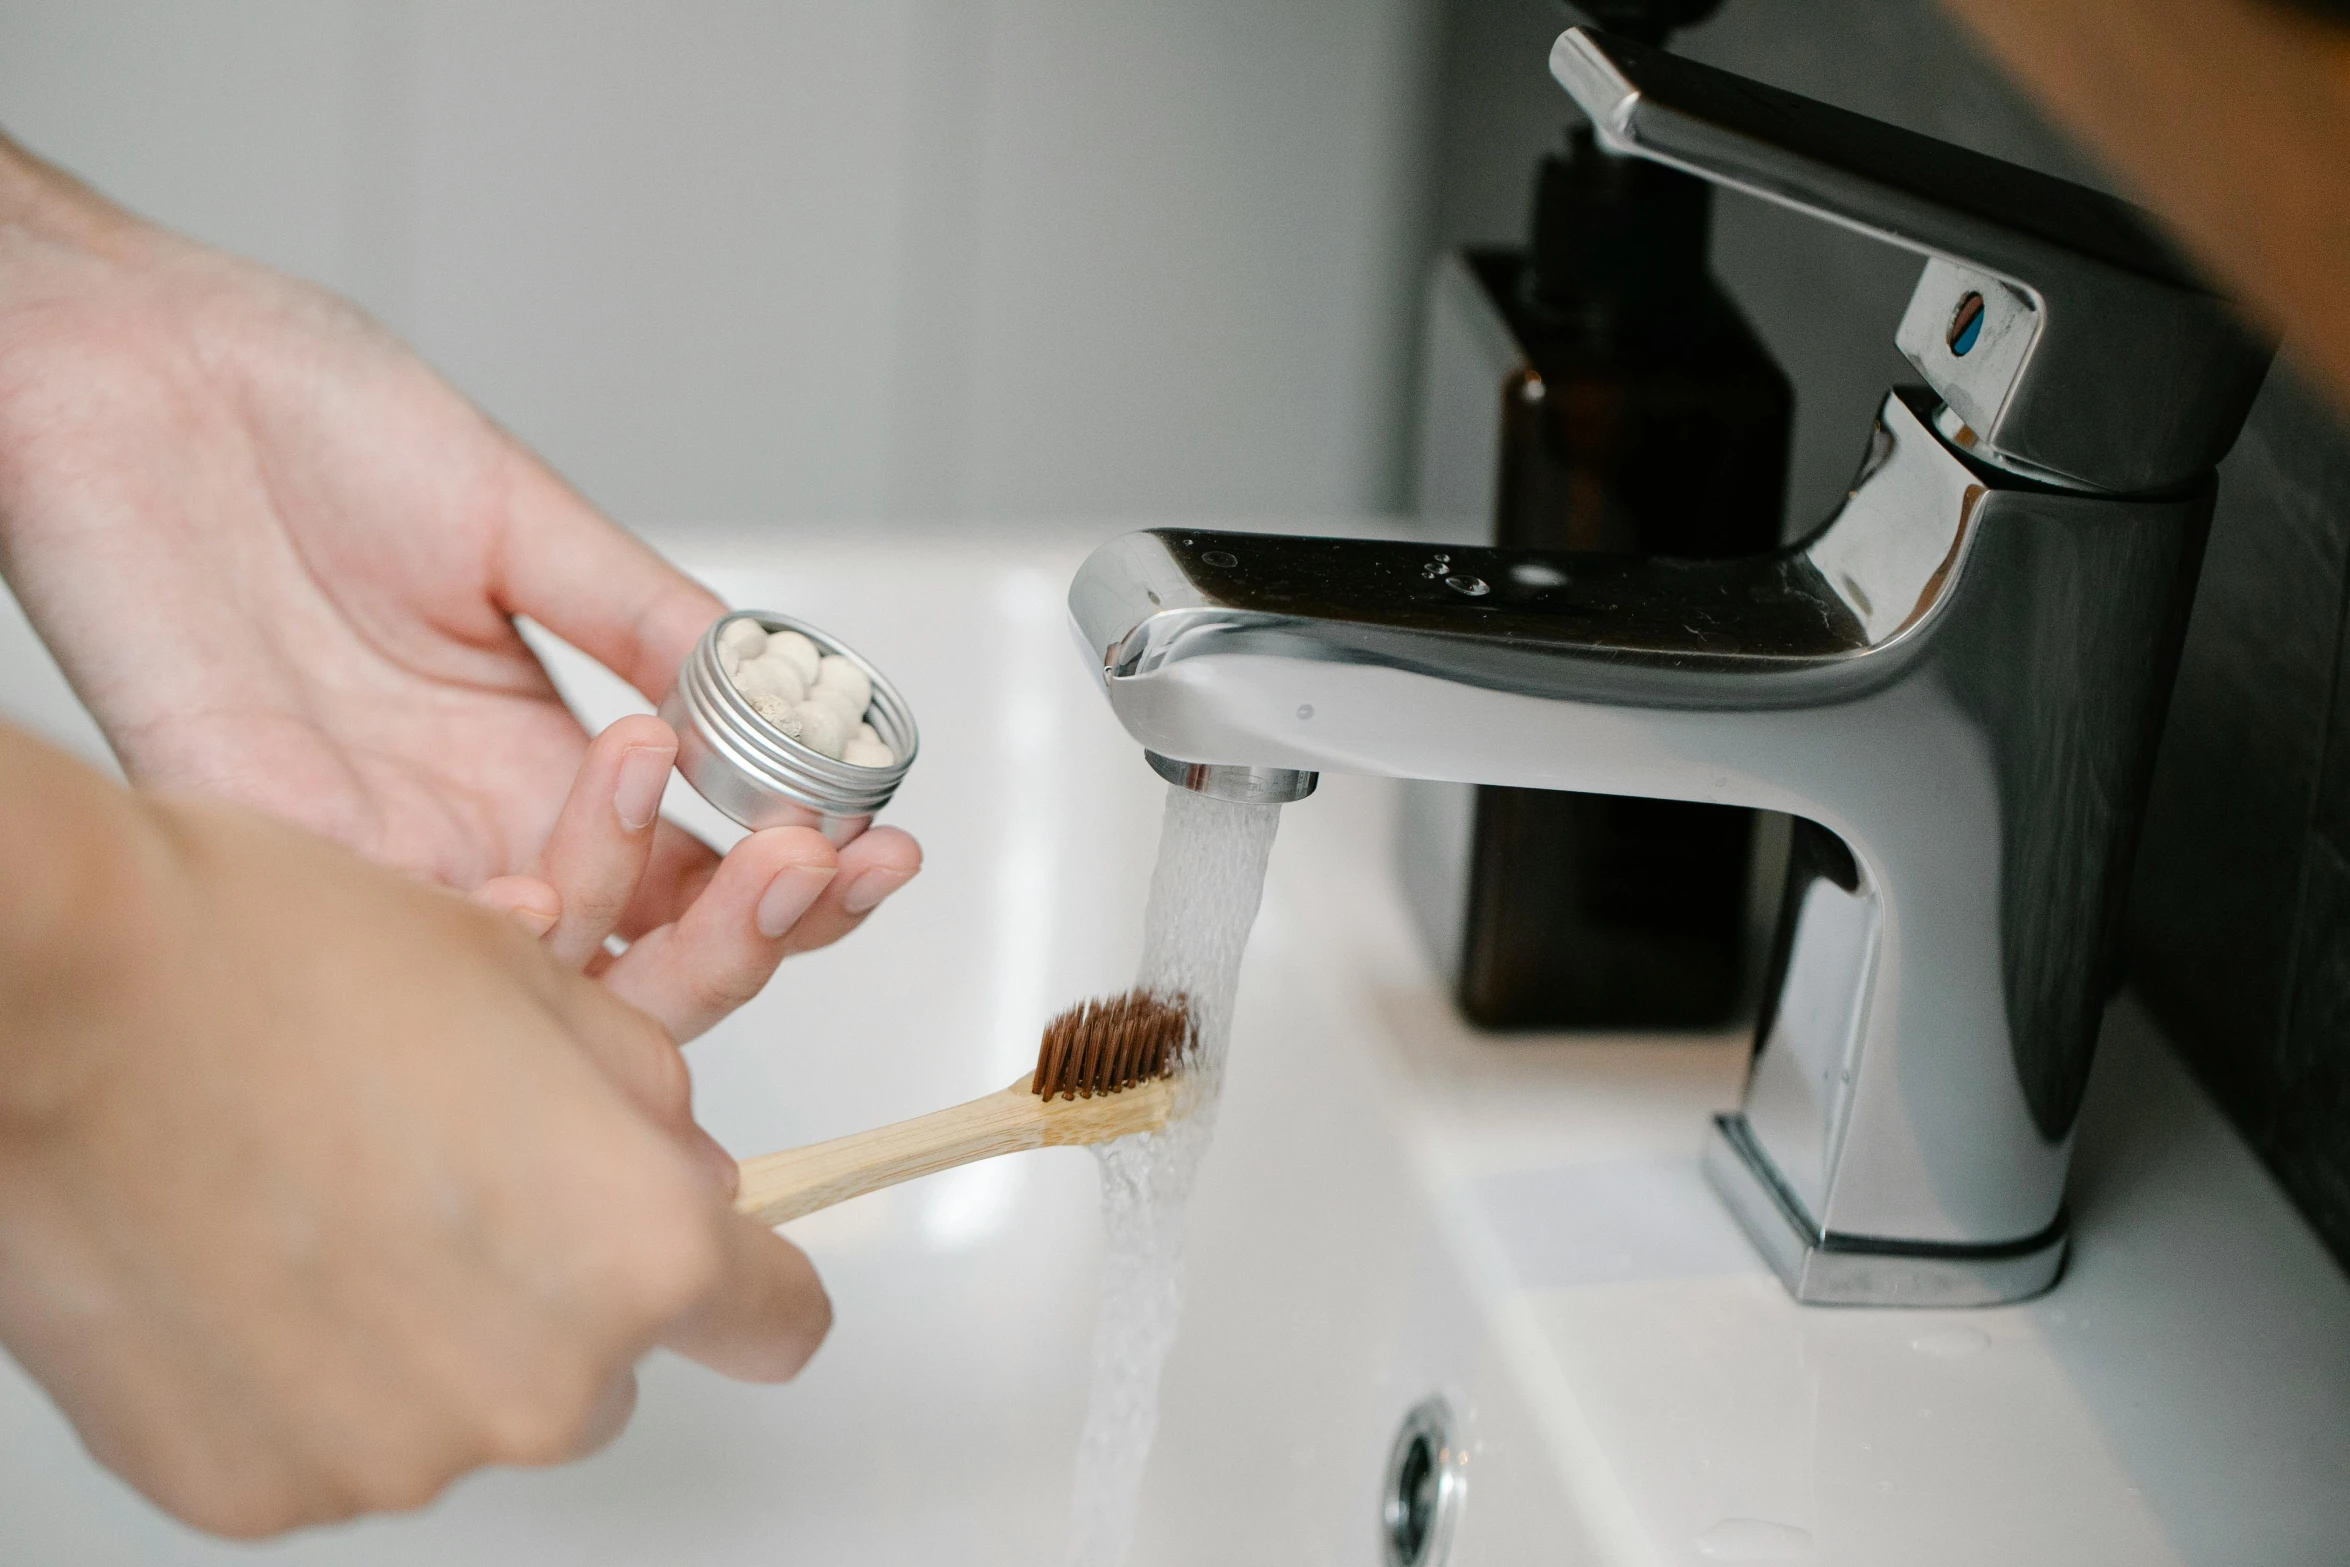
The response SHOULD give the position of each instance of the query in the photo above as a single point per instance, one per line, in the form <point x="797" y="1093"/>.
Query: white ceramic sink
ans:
<point x="1395" y="1208"/>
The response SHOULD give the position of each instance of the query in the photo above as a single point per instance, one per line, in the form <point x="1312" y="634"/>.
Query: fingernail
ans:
<point x="867" y="891"/>
<point x="794" y="889"/>
<point x="644" y="773"/>
<point x="537" y="921"/>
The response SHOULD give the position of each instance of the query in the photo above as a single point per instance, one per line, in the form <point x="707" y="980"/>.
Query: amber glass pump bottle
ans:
<point x="1646" y="418"/>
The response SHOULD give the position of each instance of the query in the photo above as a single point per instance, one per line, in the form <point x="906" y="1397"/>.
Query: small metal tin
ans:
<point x="760" y="776"/>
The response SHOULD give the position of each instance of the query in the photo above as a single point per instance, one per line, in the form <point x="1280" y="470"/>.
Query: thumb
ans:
<point x="584" y="578"/>
<point x="767" y="1313"/>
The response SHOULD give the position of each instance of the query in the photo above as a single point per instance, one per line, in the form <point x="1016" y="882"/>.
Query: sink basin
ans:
<point x="1398" y="1206"/>
<point x="1395" y="1208"/>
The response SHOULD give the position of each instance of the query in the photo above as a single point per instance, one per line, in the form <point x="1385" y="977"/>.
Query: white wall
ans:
<point x="792" y="258"/>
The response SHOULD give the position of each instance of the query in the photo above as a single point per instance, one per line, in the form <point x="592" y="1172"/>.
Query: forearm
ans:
<point x="83" y="861"/>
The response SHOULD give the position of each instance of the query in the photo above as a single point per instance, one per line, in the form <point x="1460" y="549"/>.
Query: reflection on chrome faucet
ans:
<point x="1879" y="681"/>
<point x="1956" y="683"/>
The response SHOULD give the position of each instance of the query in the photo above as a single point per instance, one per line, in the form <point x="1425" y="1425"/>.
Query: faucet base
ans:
<point x="1826" y="1269"/>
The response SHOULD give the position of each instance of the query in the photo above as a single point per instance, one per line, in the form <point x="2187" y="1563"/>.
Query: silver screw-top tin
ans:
<point x="760" y="776"/>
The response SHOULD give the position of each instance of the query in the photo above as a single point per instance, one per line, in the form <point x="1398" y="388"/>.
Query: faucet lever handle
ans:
<point x="2071" y="341"/>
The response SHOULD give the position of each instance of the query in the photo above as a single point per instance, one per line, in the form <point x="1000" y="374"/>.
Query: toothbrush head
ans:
<point x="1100" y="1047"/>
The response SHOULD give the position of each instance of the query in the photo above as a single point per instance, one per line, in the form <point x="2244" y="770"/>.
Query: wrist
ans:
<point x="21" y="180"/>
<point x="42" y="204"/>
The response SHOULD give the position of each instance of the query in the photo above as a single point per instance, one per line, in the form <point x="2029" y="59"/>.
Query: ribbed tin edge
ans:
<point x="759" y="776"/>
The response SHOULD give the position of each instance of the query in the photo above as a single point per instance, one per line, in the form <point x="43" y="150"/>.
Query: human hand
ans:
<point x="319" y="1187"/>
<point x="279" y="559"/>
<point x="765" y="900"/>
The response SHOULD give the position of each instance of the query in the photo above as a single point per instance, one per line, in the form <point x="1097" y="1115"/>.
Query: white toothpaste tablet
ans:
<point x="783" y="715"/>
<point x="742" y="641"/>
<point x="843" y="687"/>
<point x="769" y="676"/>
<point x="862" y="752"/>
<point x="802" y="654"/>
<point x="821" y="729"/>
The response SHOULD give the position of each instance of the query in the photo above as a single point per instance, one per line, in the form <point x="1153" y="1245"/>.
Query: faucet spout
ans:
<point x="1240" y="785"/>
<point x="1958" y="680"/>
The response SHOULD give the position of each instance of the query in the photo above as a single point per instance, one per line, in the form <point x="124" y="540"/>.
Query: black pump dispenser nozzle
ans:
<point x="1620" y="235"/>
<point x="1613" y="239"/>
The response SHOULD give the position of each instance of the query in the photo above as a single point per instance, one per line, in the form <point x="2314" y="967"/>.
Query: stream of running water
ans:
<point x="1203" y="899"/>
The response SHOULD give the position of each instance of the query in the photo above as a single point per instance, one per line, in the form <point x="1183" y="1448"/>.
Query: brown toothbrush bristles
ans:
<point x="1099" y="1047"/>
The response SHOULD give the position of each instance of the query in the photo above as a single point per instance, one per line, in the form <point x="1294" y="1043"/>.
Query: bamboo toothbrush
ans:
<point x="1106" y="1070"/>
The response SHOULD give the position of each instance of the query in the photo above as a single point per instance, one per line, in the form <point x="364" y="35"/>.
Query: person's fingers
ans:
<point x="680" y="868"/>
<point x="872" y="867"/>
<point x="573" y="571"/>
<point x="604" y="835"/>
<point x="765" y="1317"/>
<point x="721" y="951"/>
<point x="608" y="1418"/>
<point x="533" y="904"/>
<point x="642" y="1059"/>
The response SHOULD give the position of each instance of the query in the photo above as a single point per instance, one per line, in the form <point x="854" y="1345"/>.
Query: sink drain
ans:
<point x="1421" y="1502"/>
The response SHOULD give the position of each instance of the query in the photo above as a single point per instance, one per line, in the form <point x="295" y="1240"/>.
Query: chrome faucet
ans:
<point x="1956" y="684"/>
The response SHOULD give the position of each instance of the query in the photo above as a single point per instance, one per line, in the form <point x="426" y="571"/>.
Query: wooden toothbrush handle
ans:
<point x="797" y="1181"/>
